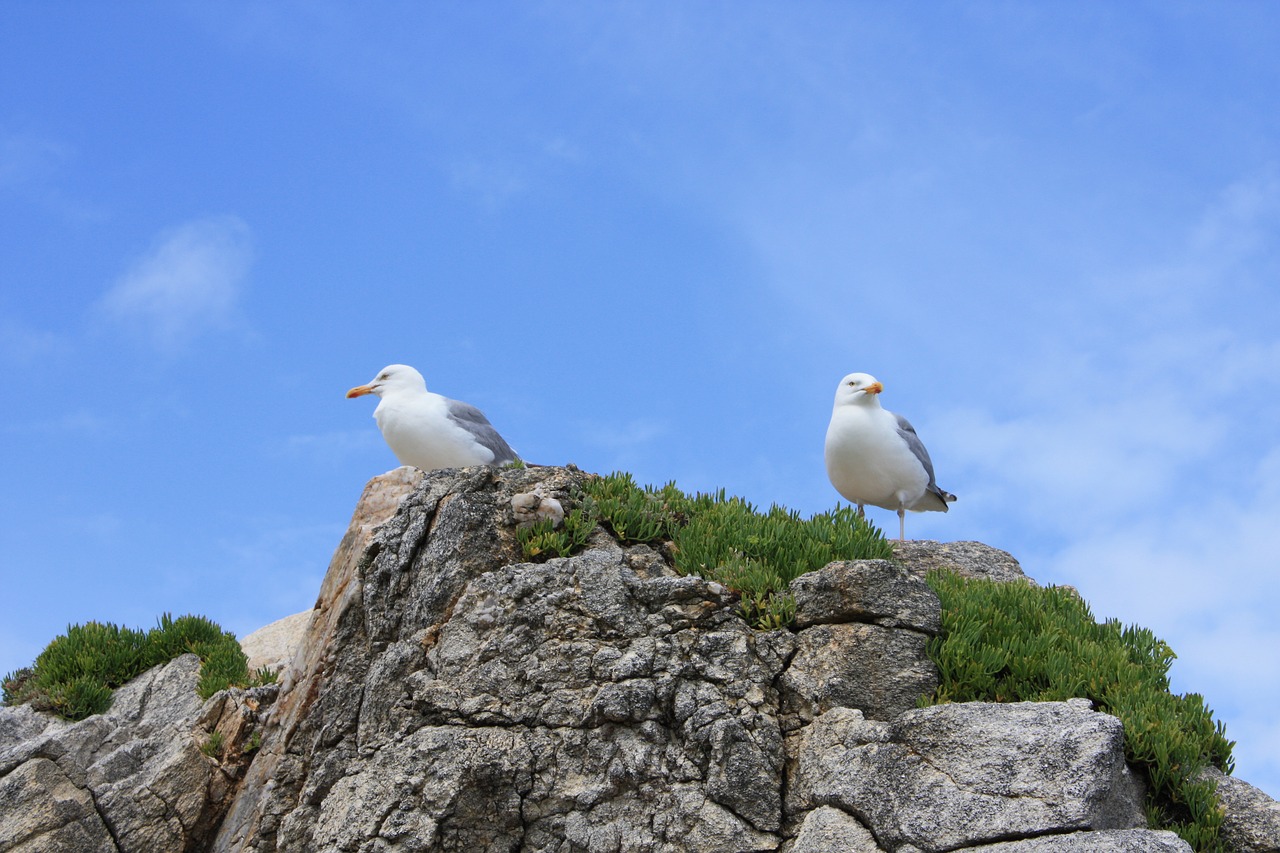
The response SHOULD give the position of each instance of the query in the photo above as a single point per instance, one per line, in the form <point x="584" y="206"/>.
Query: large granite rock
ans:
<point x="446" y="695"/>
<point x="968" y="559"/>
<point x="1252" y="821"/>
<point x="132" y="779"/>
<point x="953" y="776"/>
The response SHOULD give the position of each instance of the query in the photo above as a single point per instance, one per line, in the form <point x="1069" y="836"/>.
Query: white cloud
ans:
<point x="22" y="345"/>
<point x="1136" y="456"/>
<point x="187" y="285"/>
<point x="26" y="158"/>
<point x="78" y="422"/>
<point x="332" y="446"/>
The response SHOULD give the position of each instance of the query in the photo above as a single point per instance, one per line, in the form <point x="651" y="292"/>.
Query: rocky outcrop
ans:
<point x="1252" y="820"/>
<point x="955" y="776"/>
<point x="141" y="777"/>
<point x="969" y="559"/>
<point x="445" y="694"/>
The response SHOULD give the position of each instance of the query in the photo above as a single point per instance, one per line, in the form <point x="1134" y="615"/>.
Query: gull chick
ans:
<point x="429" y="431"/>
<point x="875" y="457"/>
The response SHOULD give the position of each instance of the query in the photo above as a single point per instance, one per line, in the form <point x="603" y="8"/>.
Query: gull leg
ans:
<point x="861" y="514"/>
<point x="902" y="525"/>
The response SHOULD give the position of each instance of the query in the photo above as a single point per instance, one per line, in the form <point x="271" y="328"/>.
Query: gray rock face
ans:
<point x="132" y="779"/>
<point x="880" y="671"/>
<point x="827" y="829"/>
<point x="1252" y="823"/>
<point x="874" y="591"/>
<point x="955" y="776"/>
<point x="445" y="695"/>
<point x="469" y="701"/>
<point x="968" y="559"/>
<point x="1106" y="841"/>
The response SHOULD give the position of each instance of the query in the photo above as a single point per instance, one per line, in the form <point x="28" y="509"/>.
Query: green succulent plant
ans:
<point x="1009" y="642"/>
<point x="78" y="671"/>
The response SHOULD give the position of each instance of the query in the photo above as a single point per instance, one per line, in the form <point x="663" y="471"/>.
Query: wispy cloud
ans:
<point x="22" y="345"/>
<point x="334" y="446"/>
<point x="1136" y="454"/>
<point x="80" y="422"/>
<point x="25" y="157"/>
<point x="492" y="184"/>
<point x="189" y="284"/>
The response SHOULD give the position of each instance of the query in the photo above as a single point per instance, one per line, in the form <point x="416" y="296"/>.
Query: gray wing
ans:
<point x="908" y="434"/>
<point x="473" y="421"/>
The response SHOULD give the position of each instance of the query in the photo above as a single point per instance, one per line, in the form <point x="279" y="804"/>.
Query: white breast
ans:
<point x="868" y="462"/>
<point x="420" y="433"/>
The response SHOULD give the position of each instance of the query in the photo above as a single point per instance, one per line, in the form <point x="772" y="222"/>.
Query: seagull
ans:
<point x="875" y="457"/>
<point x="429" y="431"/>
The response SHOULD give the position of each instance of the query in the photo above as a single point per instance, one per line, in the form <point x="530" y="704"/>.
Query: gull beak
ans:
<point x="359" y="391"/>
<point x="873" y="388"/>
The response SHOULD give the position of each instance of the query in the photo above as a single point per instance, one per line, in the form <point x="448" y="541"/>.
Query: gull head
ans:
<point x="391" y="379"/>
<point x="860" y="389"/>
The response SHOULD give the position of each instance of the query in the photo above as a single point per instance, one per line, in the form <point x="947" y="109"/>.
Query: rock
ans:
<point x="968" y="559"/>
<point x="474" y="702"/>
<point x="1252" y="822"/>
<point x="875" y="591"/>
<point x="529" y="508"/>
<point x="272" y="647"/>
<point x="953" y="776"/>
<point x="1106" y="841"/>
<point x="865" y="625"/>
<point x="44" y="810"/>
<point x="880" y="671"/>
<point x="445" y="694"/>
<point x="132" y="779"/>
<point x="827" y="829"/>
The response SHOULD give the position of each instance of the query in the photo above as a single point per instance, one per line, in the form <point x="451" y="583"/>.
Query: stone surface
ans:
<point x="1106" y="841"/>
<point x="44" y="810"/>
<point x="875" y="591"/>
<point x="953" y="776"/>
<point x="481" y="703"/>
<point x="446" y="695"/>
<point x="880" y="671"/>
<point x="132" y="779"/>
<point x="274" y="646"/>
<point x="827" y="829"/>
<point x="1252" y="823"/>
<point x="969" y="559"/>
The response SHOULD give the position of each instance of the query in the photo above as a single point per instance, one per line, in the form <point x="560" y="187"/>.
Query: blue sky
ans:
<point x="651" y="237"/>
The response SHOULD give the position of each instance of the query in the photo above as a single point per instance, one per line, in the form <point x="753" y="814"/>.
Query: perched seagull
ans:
<point x="875" y="457"/>
<point x="427" y="430"/>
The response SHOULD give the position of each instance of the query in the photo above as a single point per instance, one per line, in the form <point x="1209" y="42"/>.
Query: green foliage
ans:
<point x="1006" y="642"/>
<point x="76" y="673"/>
<point x="264" y="675"/>
<point x="541" y="541"/>
<point x="253" y="743"/>
<point x="717" y="537"/>
<point x="212" y="745"/>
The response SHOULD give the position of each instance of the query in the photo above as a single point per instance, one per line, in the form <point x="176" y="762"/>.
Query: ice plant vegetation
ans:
<point x="1011" y="642"/>
<point x="725" y="539"/>
<point x="76" y="673"/>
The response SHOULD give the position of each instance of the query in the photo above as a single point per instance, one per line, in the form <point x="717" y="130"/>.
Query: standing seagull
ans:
<point x="875" y="457"/>
<point x="427" y="430"/>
